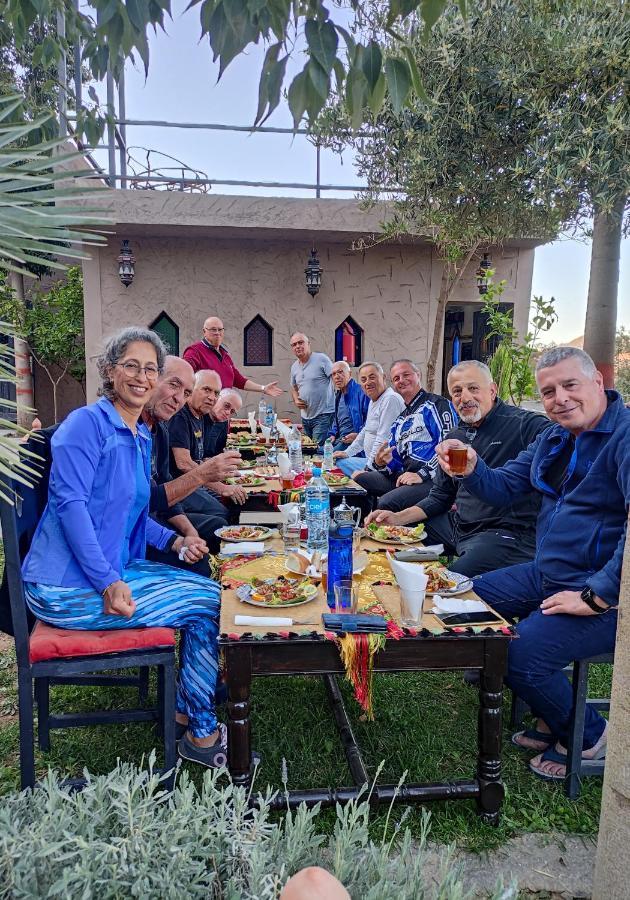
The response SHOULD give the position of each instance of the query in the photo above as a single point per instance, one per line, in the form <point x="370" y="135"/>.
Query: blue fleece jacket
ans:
<point x="80" y="538"/>
<point x="357" y="402"/>
<point x="581" y="529"/>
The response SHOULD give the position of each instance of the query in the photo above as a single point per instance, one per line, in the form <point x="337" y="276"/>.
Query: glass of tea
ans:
<point x="457" y="459"/>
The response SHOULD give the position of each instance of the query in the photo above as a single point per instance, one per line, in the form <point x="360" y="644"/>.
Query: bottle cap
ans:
<point x="316" y="472"/>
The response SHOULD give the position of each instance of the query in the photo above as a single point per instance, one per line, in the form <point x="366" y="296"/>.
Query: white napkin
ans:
<point x="262" y="620"/>
<point x="283" y="463"/>
<point x="251" y="417"/>
<point x="249" y="548"/>
<point x="284" y="430"/>
<point x="288" y="511"/>
<point x="454" y="605"/>
<point x="266" y="431"/>
<point x="410" y="576"/>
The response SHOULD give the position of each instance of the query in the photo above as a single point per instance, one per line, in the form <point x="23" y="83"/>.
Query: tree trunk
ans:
<point x="450" y="279"/>
<point x="24" y="393"/>
<point x="611" y="866"/>
<point x="603" y="285"/>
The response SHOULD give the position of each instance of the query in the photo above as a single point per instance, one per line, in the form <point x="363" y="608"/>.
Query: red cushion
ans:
<point x="59" y="643"/>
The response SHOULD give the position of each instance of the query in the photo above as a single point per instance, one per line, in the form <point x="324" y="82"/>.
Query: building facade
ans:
<point x="243" y="259"/>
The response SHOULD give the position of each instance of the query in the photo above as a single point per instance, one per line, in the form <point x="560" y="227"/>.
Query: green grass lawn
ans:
<point x="425" y="724"/>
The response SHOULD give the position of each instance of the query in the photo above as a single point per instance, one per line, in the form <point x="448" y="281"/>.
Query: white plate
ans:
<point x="393" y="541"/>
<point x="464" y="583"/>
<point x="266" y="534"/>
<point x="261" y="605"/>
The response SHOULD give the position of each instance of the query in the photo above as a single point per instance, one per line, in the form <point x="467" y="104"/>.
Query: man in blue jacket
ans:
<point x="351" y="405"/>
<point x="566" y="598"/>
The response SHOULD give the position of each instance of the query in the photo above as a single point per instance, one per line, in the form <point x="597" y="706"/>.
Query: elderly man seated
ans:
<point x="402" y="470"/>
<point x="482" y="536"/>
<point x="195" y="436"/>
<point x="384" y="407"/>
<point x="173" y="388"/>
<point x="351" y="405"/>
<point x="566" y="598"/>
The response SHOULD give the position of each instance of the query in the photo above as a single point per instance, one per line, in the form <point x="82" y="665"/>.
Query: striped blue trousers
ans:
<point x="164" y="596"/>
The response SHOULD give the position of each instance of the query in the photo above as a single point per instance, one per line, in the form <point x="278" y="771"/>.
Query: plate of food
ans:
<point x="266" y="471"/>
<point x="278" y="592"/>
<point x="246" y="464"/>
<point x="308" y="442"/>
<point x="243" y="533"/>
<point x="395" y="534"/>
<point x="442" y="581"/>
<point x="248" y="480"/>
<point x="334" y="480"/>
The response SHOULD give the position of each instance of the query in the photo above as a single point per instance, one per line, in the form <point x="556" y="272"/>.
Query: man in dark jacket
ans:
<point x="484" y="537"/>
<point x="566" y="597"/>
<point x="173" y="388"/>
<point x="351" y="406"/>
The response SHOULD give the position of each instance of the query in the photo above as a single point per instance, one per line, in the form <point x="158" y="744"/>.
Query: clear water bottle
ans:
<point x="262" y="412"/>
<point x="269" y="416"/>
<point x="327" y="463"/>
<point x="317" y="501"/>
<point x="295" y="451"/>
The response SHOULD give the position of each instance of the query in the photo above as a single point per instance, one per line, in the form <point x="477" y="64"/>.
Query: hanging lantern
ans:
<point x="483" y="278"/>
<point x="126" y="263"/>
<point x="313" y="272"/>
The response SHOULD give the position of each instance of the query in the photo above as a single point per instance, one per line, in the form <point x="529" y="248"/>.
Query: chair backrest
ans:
<point x="18" y="524"/>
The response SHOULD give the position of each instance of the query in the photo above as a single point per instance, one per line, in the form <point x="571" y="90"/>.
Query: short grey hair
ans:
<point x="115" y="348"/>
<point x="555" y="355"/>
<point x="465" y="363"/>
<point x="409" y="362"/>
<point x="203" y="373"/>
<point x="230" y="392"/>
<point x="373" y="365"/>
<point x="344" y="363"/>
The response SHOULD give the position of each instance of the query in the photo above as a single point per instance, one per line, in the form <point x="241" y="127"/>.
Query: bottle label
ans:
<point x="316" y="506"/>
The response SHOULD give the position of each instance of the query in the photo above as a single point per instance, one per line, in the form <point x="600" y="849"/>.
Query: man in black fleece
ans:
<point x="483" y="537"/>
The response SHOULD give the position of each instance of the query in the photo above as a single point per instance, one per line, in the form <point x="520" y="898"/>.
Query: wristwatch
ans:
<point x="588" y="596"/>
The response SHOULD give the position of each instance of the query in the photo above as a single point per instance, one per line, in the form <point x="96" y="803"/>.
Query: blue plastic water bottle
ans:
<point x="339" y="558"/>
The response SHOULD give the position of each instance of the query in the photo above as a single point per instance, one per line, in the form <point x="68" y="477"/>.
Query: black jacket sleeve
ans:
<point x="158" y="503"/>
<point x="441" y="496"/>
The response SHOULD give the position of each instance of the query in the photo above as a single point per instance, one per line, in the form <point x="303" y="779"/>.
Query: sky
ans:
<point x="182" y="87"/>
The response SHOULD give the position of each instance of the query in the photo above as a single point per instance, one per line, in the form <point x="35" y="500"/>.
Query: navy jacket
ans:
<point x="357" y="402"/>
<point x="581" y="531"/>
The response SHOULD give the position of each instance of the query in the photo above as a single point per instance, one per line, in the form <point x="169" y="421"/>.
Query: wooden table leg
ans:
<point x="239" y="682"/>
<point x="491" y="791"/>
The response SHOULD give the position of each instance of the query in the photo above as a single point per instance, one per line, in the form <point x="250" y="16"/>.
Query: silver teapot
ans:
<point x="347" y="515"/>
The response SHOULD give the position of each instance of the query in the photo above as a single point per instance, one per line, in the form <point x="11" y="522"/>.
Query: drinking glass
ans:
<point x="291" y="535"/>
<point x="346" y="596"/>
<point x="411" y="603"/>
<point x="457" y="459"/>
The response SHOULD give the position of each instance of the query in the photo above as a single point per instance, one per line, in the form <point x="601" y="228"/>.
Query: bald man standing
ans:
<point x="311" y="388"/>
<point x="210" y="353"/>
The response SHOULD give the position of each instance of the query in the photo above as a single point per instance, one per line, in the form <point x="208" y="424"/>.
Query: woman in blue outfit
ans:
<point x="86" y="567"/>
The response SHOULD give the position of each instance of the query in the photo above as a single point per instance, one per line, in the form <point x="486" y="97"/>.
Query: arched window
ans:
<point x="258" y="343"/>
<point x="168" y="331"/>
<point x="349" y="342"/>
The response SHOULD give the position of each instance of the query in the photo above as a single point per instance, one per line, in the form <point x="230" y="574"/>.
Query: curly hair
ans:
<point x="116" y="347"/>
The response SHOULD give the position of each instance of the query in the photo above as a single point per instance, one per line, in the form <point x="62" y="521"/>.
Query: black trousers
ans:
<point x="170" y="558"/>
<point x="381" y="485"/>
<point x="481" y="552"/>
<point x="207" y="514"/>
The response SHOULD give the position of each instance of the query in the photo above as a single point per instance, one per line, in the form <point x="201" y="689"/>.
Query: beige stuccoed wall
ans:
<point x="390" y="290"/>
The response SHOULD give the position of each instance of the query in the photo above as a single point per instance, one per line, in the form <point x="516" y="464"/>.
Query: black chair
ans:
<point x="576" y="766"/>
<point x="47" y="656"/>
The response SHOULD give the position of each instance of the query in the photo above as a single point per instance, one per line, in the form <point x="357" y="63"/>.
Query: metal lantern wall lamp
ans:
<point x="482" y="274"/>
<point x="313" y="272"/>
<point x="126" y="264"/>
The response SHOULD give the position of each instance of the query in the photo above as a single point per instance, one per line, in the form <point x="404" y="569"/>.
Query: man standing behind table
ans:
<point x="566" y="598"/>
<point x="484" y="537"/>
<point x="351" y="406"/>
<point x="385" y="406"/>
<point x="174" y="386"/>
<point x="312" y="389"/>
<point x="191" y="438"/>
<point x="210" y="353"/>
<point x="402" y="470"/>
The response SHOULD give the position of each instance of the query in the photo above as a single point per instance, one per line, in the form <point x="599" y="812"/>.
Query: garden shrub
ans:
<point x="125" y="836"/>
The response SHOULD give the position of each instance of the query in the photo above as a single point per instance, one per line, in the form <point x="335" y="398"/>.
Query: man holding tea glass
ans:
<point x="566" y="597"/>
<point x="482" y="536"/>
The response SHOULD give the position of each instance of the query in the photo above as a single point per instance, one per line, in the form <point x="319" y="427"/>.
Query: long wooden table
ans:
<point x="262" y="651"/>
